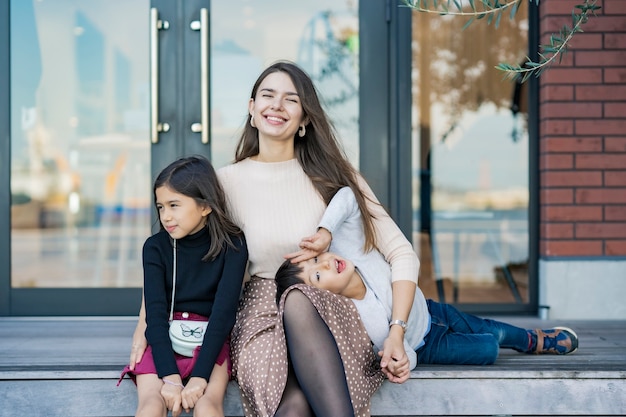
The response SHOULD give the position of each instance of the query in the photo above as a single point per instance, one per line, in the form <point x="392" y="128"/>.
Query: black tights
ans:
<point x="317" y="386"/>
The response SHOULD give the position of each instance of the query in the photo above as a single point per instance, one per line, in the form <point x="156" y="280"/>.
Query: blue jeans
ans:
<point x="457" y="338"/>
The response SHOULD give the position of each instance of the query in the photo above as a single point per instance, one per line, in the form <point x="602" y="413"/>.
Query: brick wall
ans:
<point x="582" y="138"/>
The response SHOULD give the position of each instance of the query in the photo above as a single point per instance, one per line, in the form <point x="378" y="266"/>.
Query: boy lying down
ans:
<point x="435" y="333"/>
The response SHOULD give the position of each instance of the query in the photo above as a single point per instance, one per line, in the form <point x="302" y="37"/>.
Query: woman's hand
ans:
<point x="171" y="393"/>
<point x="193" y="391"/>
<point x="311" y="246"/>
<point x="139" y="343"/>
<point x="394" y="363"/>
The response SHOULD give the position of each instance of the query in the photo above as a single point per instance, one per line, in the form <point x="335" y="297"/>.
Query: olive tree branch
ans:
<point x="491" y="9"/>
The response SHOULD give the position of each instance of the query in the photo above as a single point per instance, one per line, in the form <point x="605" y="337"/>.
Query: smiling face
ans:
<point x="276" y="108"/>
<point x="330" y="272"/>
<point x="179" y="214"/>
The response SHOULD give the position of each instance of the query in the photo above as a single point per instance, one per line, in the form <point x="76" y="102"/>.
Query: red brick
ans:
<point x="615" y="40"/>
<point x="603" y="230"/>
<point x="574" y="110"/>
<point x="613" y="7"/>
<point x="572" y="247"/>
<point x="557" y="230"/>
<point x="604" y="24"/>
<point x="615" y="247"/>
<point x="601" y="127"/>
<point x="571" y="144"/>
<point x="556" y="161"/>
<point x="615" y="213"/>
<point x="552" y="8"/>
<point x="600" y="161"/>
<point x="586" y="41"/>
<point x="615" y="110"/>
<point x="571" y="178"/>
<point x="615" y="178"/>
<point x="614" y="58"/>
<point x="615" y="75"/>
<point x="600" y="196"/>
<point x="554" y="92"/>
<point x="600" y="92"/>
<point x="615" y="144"/>
<point x="557" y="75"/>
<point x="556" y="127"/>
<point x="556" y="196"/>
<point x="571" y="213"/>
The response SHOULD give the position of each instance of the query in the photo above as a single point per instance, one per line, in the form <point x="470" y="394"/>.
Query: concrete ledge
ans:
<point x="425" y="394"/>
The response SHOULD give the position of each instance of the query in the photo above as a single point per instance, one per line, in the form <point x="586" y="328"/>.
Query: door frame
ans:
<point x="5" y="160"/>
<point x="173" y="82"/>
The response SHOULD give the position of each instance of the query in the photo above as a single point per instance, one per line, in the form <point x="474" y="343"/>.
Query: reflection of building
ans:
<point x="328" y="52"/>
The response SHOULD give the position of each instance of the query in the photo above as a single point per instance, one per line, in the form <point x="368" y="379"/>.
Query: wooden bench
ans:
<point x="70" y="366"/>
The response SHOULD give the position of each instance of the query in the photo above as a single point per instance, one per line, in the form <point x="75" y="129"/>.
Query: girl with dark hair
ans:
<point x="193" y="272"/>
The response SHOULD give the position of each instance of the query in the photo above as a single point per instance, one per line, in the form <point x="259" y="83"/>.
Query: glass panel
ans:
<point x="80" y="158"/>
<point x="471" y="159"/>
<point x="321" y="36"/>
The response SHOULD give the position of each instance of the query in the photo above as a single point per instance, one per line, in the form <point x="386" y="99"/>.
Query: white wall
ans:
<point x="589" y="289"/>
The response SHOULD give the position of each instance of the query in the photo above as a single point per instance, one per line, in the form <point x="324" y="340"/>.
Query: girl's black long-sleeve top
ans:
<point x="208" y="288"/>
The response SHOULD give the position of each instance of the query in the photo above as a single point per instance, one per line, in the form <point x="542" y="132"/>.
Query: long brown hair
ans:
<point x="319" y="152"/>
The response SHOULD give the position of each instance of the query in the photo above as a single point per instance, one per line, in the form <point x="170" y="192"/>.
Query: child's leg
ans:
<point x="150" y="401"/>
<point x="211" y="404"/>
<point x="507" y="336"/>
<point x="444" y="347"/>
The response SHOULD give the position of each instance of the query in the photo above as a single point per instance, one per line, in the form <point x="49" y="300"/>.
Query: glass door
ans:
<point x="322" y="37"/>
<point x="104" y="94"/>
<point x="99" y="103"/>
<point x="471" y="163"/>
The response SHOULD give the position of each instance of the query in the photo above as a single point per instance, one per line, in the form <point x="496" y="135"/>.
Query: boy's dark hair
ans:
<point x="286" y="276"/>
<point x="195" y="177"/>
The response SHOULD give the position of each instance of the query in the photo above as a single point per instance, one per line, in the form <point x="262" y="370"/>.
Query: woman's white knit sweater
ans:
<point x="276" y="205"/>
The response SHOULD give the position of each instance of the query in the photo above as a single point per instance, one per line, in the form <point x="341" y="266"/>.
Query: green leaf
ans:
<point x="467" y="24"/>
<point x="513" y="10"/>
<point x="498" y="20"/>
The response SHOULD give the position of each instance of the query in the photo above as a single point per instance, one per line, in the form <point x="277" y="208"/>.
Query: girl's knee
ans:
<point x="151" y="407"/>
<point x="150" y="402"/>
<point x="208" y="406"/>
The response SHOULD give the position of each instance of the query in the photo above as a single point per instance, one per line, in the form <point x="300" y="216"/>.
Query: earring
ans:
<point x="252" y="120"/>
<point x="302" y="131"/>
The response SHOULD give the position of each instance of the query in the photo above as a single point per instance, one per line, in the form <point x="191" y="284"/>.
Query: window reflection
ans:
<point x="321" y="36"/>
<point x="470" y="161"/>
<point x="80" y="162"/>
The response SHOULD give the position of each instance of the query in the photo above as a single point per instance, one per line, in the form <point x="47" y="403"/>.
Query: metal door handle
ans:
<point x="203" y="27"/>
<point x="155" y="25"/>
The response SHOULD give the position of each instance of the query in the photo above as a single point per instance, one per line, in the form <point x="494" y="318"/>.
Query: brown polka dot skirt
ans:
<point x="259" y="352"/>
